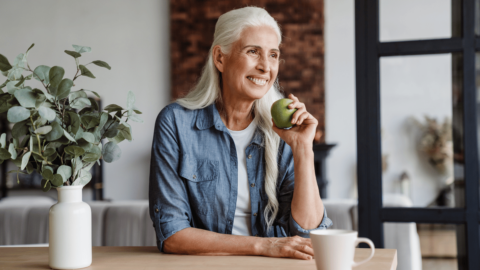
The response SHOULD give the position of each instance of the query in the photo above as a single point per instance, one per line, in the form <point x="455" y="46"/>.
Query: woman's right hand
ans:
<point x="292" y="247"/>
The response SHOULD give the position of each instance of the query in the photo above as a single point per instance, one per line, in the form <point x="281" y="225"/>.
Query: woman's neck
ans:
<point x="236" y="115"/>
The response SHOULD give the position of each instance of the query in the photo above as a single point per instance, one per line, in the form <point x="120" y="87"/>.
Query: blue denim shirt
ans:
<point x="193" y="177"/>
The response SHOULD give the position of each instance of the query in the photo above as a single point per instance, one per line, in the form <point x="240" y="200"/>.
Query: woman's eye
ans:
<point x="252" y="51"/>
<point x="275" y="55"/>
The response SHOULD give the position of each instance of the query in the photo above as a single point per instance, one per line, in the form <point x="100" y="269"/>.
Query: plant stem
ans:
<point x="38" y="141"/>
<point x="75" y="77"/>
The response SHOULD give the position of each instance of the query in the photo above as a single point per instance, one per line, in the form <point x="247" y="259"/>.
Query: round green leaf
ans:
<point x="74" y="121"/>
<point x="135" y="118"/>
<point x="4" y="154"/>
<point x="130" y="100"/>
<point x="47" y="174"/>
<point x="47" y="113"/>
<point x="95" y="93"/>
<point x="12" y="151"/>
<point x="64" y="88"/>
<point x="73" y="54"/>
<point x="82" y="49"/>
<point x="55" y="76"/>
<point x="11" y="88"/>
<point x="112" y="108"/>
<point x="94" y="104"/>
<point x="65" y="171"/>
<point x="87" y="136"/>
<point x="117" y="139"/>
<point x="93" y="154"/>
<point x="102" y="64"/>
<point x="56" y="133"/>
<point x="77" y="94"/>
<point x="41" y="73"/>
<point x="126" y="132"/>
<point x="74" y="151"/>
<point x="57" y="180"/>
<point x="26" y="97"/>
<point x="68" y="136"/>
<point x="4" y="64"/>
<point x="111" y="152"/>
<point x="90" y="121"/>
<point x="80" y="103"/>
<point x="48" y="152"/>
<point x="85" y="72"/>
<point x="103" y="120"/>
<point x="46" y="186"/>
<point x="17" y="114"/>
<point x="43" y="130"/>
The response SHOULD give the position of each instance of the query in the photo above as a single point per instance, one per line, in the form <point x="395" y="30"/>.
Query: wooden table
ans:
<point x="146" y="258"/>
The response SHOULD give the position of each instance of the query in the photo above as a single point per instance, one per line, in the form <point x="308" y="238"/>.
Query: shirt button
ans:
<point x="156" y="210"/>
<point x="194" y="176"/>
<point x="255" y="214"/>
<point x="249" y="156"/>
<point x="252" y="185"/>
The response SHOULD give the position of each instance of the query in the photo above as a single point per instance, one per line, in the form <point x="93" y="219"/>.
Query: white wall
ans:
<point x="132" y="36"/>
<point x="410" y="86"/>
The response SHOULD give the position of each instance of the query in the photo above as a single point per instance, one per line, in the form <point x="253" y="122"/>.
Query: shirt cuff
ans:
<point x="296" y="229"/>
<point x="165" y="230"/>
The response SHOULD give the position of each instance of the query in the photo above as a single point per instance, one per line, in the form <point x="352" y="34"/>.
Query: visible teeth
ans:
<point x="257" y="81"/>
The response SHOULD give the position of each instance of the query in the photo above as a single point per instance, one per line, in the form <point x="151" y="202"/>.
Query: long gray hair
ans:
<point x="208" y="90"/>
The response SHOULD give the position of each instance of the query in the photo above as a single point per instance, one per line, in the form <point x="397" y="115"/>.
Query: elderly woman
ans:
<point x="224" y="179"/>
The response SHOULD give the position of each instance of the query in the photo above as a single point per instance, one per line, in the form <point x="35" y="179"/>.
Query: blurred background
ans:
<point x="157" y="48"/>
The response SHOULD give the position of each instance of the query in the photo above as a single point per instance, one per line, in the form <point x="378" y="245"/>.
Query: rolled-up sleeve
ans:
<point x="296" y="229"/>
<point x="285" y="196"/>
<point x="168" y="200"/>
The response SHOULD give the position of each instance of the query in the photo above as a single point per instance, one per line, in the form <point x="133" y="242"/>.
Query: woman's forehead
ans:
<point x="260" y="37"/>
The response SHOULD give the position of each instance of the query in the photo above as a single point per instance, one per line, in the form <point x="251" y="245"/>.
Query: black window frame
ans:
<point x="368" y="50"/>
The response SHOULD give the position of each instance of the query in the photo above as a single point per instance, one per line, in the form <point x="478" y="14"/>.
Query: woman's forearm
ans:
<point x="193" y="241"/>
<point x="307" y="206"/>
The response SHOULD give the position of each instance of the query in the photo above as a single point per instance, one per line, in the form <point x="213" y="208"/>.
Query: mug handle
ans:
<point x="372" y="247"/>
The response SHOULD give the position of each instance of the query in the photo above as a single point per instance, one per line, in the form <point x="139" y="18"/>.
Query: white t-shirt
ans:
<point x="243" y="211"/>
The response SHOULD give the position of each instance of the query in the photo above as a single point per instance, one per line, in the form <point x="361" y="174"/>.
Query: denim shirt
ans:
<point x="193" y="177"/>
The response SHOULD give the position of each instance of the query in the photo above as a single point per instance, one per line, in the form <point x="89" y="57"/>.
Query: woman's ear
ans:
<point x="218" y="58"/>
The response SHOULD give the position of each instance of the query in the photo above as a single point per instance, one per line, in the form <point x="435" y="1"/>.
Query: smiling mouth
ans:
<point x="257" y="81"/>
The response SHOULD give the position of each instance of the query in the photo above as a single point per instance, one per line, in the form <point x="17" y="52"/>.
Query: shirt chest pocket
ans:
<point x="201" y="176"/>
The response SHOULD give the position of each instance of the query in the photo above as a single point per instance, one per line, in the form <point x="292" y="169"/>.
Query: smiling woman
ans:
<point x="219" y="165"/>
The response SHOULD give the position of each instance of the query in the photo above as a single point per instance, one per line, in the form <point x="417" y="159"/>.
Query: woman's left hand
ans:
<point x="305" y="125"/>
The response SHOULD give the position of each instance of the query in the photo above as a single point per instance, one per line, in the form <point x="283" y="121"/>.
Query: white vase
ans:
<point x="70" y="230"/>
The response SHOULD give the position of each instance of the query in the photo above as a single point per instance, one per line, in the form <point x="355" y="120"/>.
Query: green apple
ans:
<point x="281" y="114"/>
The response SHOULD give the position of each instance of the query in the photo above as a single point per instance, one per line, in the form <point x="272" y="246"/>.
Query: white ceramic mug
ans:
<point x="335" y="249"/>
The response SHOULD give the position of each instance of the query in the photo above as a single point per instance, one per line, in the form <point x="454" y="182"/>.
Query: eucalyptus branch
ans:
<point x="38" y="138"/>
<point x="75" y="77"/>
<point x="103" y="135"/>
<point x="57" y="110"/>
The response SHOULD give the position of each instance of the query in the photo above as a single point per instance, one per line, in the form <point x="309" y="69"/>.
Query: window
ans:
<point x="375" y="58"/>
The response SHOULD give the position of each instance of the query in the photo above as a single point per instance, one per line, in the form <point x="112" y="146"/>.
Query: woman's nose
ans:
<point x="263" y="64"/>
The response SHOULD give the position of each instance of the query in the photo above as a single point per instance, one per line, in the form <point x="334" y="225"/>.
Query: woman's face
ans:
<point x="252" y="66"/>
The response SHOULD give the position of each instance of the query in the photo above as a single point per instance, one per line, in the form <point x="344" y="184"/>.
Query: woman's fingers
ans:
<point x="302" y="117"/>
<point x="300" y="255"/>
<point x="292" y="97"/>
<point x="298" y="113"/>
<point x="307" y="250"/>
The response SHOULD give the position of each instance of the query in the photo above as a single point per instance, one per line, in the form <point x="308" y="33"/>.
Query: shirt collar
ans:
<point x="209" y="116"/>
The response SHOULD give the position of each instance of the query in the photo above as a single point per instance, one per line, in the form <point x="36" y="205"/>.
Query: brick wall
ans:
<point x="301" y="21"/>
